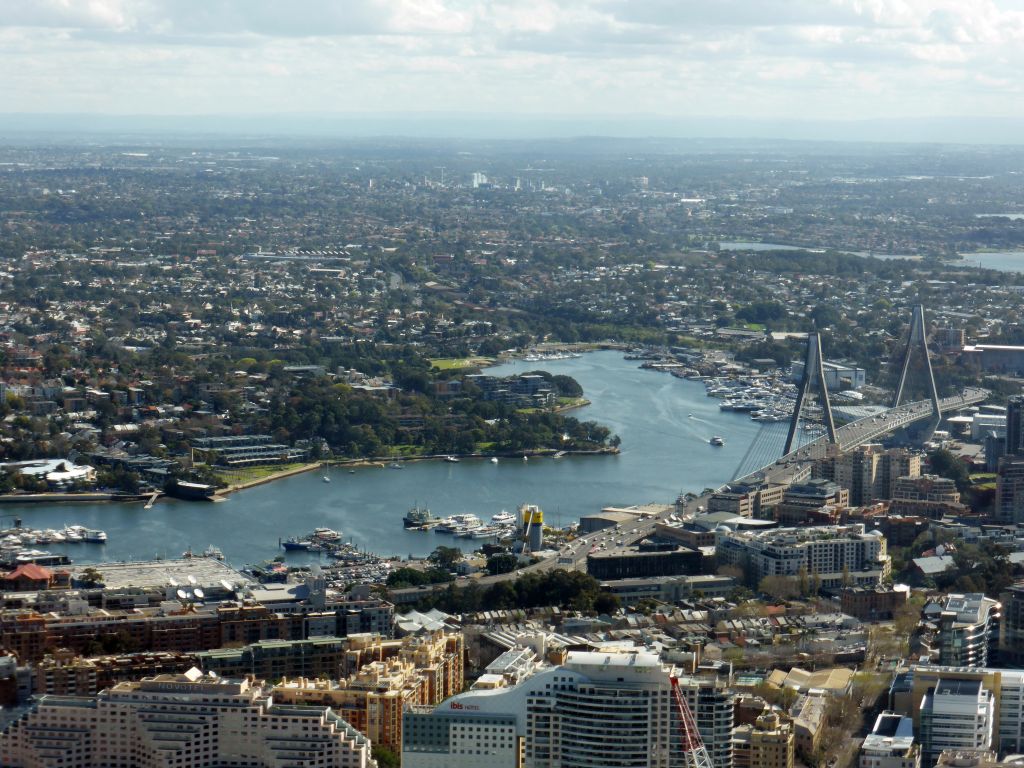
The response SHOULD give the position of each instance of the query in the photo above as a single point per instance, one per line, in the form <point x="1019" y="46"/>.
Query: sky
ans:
<point x="763" y="59"/>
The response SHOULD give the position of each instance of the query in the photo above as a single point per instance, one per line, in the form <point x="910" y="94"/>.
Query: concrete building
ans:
<point x="926" y="496"/>
<point x="994" y="358"/>
<point x="840" y="555"/>
<point x="180" y="721"/>
<point x="426" y="670"/>
<point x="873" y="604"/>
<point x="869" y="472"/>
<point x="644" y="560"/>
<point x="768" y="743"/>
<point x="1011" y="630"/>
<point x="593" y="708"/>
<point x="1015" y="426"/>
<point x="890" y="744"/>
<point x="812" y="502"/>
<point x="956" y="714"/>
<point x="967" y="625"/>
<point x="274" y="659"/>
<point x="987" y="713"/>
<point x="1009" y="502"/>
<point x="837" y="376"/>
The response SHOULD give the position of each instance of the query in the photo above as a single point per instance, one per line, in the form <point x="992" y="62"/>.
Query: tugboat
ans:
<point x="716" y="440"/>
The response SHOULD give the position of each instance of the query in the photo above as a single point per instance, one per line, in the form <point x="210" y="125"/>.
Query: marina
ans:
<point x="664" y="452"/>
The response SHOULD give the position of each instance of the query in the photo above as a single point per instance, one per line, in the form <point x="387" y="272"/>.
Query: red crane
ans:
<point x="695" y="754"/>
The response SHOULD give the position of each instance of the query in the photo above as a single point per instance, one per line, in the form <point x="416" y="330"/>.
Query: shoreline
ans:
<point x="72" y="498"/>
<point x="222" y="492"/>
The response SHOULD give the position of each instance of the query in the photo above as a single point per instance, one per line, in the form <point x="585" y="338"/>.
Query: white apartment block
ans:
<point x="837" y="554"/>
<point x="956" y="714"/>
<point x="597" y="709"/>
<point x="181" y="721"/>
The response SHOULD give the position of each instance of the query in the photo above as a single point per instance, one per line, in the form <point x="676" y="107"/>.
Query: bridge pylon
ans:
<point x="813" y="376"/>
<point x="918" y="339"/>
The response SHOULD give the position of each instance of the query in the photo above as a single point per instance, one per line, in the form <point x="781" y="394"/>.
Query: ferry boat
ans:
<point x="457" y="523"/>
<point x="326" y="534"/>
<point x="717" y="440"/>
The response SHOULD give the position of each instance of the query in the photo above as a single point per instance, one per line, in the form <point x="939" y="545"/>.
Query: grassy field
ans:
<point x="451" y="363"/>
<point x="249" y="474"/>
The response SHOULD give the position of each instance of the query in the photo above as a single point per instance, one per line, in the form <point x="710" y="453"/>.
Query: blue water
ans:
<point x="664" y="452"/>
<point x="752" y="246"/>
<point x="1004" y="261"/>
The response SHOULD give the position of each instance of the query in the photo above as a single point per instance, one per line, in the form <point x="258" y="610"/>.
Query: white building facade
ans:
<point x="596" y="710"/>
<point x="180" y="721"/>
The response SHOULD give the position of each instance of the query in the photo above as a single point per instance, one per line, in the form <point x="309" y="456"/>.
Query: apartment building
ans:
<point x="967" y="625"/>
<point x="840" y="555"/>
<point x="768" y="743"/>
<point x="180" y="721"/>
<point x="425" y="670"/>
<point x="868" y="472"/>
<point x="926" y="496"/>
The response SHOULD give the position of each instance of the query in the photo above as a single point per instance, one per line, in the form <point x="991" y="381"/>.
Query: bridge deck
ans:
<point x="795" y="465"/>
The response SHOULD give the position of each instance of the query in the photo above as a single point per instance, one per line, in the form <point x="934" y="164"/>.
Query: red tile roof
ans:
<point x="29" y="571"/>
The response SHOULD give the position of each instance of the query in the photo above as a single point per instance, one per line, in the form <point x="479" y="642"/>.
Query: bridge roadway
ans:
<point x="793" y="467"/>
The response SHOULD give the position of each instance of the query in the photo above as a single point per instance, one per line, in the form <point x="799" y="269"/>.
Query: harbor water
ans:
<point x="665" y="424"/>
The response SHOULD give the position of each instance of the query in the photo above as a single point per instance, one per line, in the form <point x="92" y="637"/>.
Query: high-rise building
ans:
<point x="869" y="472"/>
<point x="1011" y="631"/>
<point x="594" y="708"/>
<point x="1009" y="502"/>
<point x="968" y="624"/>
<point x="1015" y="426"/>
<point x="180" y="721"/>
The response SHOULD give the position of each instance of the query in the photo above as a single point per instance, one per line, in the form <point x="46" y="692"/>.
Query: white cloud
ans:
<point x="835" y="58"/>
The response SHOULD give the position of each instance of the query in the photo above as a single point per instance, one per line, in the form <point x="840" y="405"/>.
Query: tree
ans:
<point x="502" y="562"/>
<point x="445" y="557"/>
<point x="779" y="587"/>
<point x="606" y="603"/>
<point x="385" y="756"/>
<point x="946" y="464"/>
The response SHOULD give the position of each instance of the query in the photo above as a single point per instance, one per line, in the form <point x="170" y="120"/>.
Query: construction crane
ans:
<point x="695" y="754"/>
